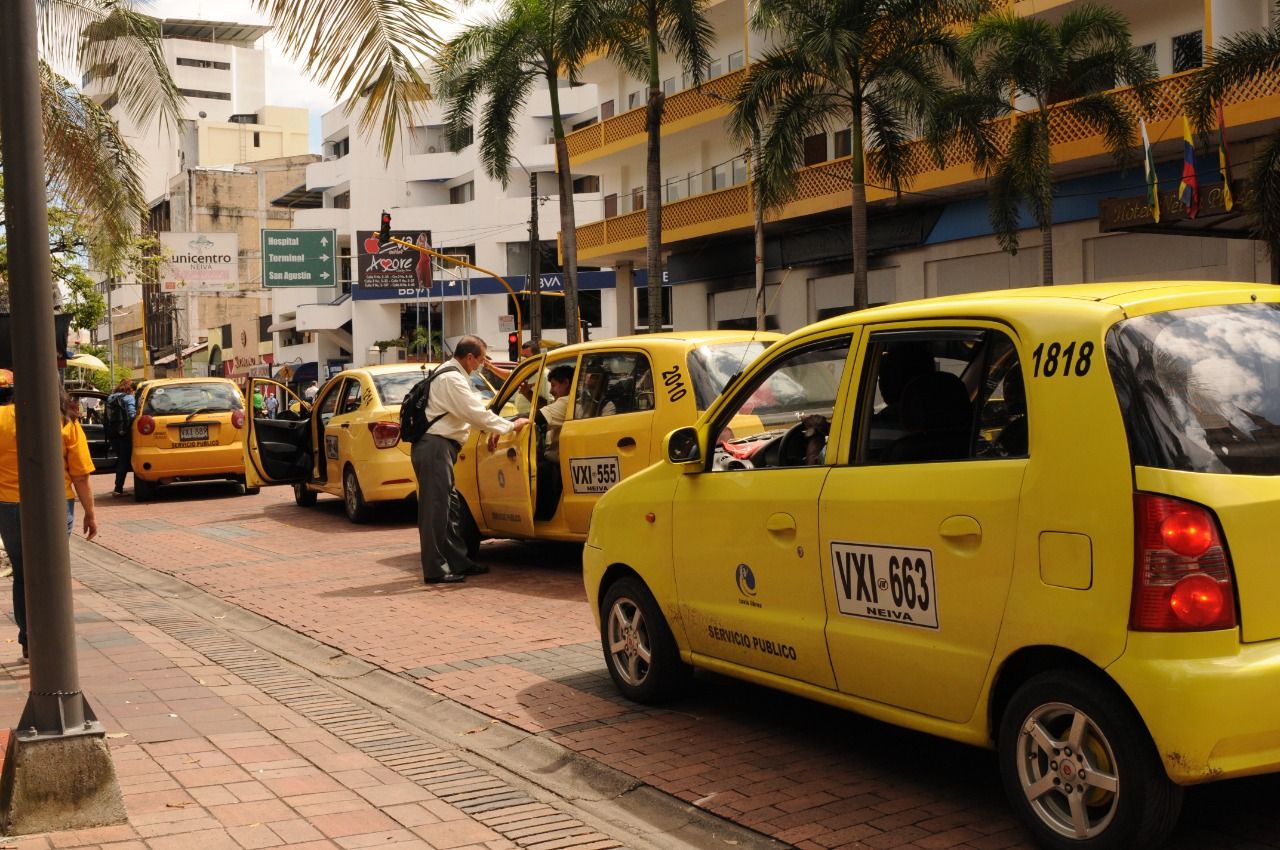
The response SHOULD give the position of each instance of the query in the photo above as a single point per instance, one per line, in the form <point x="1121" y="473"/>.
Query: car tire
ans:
<point x="251" y="491"/>
<point x="631" y="627"/>
<point x="304" y="497"/>
<point x="143" y="491"/>
<point x="1061" y="725"/>
<point x="352" y="498"/>
<point x="467" y="527"/>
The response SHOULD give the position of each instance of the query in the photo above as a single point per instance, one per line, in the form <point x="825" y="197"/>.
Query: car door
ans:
<point x="608" y="436"/>
<point x="277" y="451"/>
<point x="918" y="530"/>
<point x="504" y="475"/>
<point x="746" y="528"/>
<point x="322" y="413"/>
<point x="342" y="429"/>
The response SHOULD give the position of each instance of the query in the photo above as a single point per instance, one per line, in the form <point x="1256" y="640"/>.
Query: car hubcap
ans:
<point x="351" y="494"/>
<point x="629" y="642"/>
<point x="1068" y="771"/>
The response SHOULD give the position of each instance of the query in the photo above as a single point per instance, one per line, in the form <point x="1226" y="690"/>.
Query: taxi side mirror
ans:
<point x="683" y="447"/>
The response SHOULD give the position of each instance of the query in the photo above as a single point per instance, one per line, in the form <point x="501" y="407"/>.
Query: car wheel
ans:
<point x="639" y="649"/>
<point x="304" y="497"/>
<point x="143" y="491"/>
<point x="467" y="527"/>
<point x="352" y="499"/>
<point x="1080" y="768"/>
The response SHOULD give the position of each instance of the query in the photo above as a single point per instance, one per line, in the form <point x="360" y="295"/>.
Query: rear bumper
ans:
<point x="1208" y="701"/>
<point x="189" y="464"/>
<point x="386" y="476"/>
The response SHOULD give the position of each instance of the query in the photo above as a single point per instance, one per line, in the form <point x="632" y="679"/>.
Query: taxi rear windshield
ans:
<point x="394" y="386"/>
<point x="185" y="399"/>
<point x="711" y="367"/>
<point x="1200" y="388"/>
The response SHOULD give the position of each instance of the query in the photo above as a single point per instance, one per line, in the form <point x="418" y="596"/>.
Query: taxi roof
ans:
<point x="391" y="368"/>
<point x="695" y="337"/>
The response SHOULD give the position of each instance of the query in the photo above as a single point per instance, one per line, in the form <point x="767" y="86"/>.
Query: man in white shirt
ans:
<point x="311" y="391"/>
<point x="452" y="410"/>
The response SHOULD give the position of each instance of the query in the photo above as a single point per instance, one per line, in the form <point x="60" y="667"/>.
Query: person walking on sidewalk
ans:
<point x="119" y="411"/>
<point x="453" y="409"/>
<point x="77" y="465"/>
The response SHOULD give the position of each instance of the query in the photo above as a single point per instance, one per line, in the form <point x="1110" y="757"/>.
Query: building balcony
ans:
<point x="330" y="173"/>
<point x="826" y="186"/>
<point x="683" y="109"/>
<point x="323" y="218"/>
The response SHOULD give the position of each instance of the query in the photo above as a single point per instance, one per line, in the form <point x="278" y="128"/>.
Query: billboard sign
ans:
<point x="199" y="262"/>
<point x="392" y="268"/>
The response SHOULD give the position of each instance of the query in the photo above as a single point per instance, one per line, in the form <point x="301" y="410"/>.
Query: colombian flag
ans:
<point x="1224" y="161"/>
<point x="1189" y="188"/>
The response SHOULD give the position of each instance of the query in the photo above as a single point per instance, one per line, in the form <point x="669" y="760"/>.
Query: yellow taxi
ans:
<point x="187" y="429"/>
<point x="347" y="444"/>
<point x="620" y="397"/>
<point x="1036" y="520"/>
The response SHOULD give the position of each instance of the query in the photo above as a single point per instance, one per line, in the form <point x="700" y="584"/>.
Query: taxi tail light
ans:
<point x="146" y="425"/>
<point x="237" y="419"/>
<point x="1182" y="576"/>
<point x="385" y="434"/>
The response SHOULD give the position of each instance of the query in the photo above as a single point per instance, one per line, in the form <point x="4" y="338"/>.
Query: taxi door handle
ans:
<point x="780" y="523"/>
<point x="960" y="526"/>
<point x="627" y="443"/>
<point x="511" y="453"/>
<point x="345" y="425"/>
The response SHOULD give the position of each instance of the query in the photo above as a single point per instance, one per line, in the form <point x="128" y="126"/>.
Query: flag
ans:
<point x="1224" y="161"/>
<point x="1149" y="166"/>
<point x="1189" y="188"/>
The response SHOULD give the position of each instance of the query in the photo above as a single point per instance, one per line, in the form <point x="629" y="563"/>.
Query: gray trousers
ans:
<point x="438" y="534"/>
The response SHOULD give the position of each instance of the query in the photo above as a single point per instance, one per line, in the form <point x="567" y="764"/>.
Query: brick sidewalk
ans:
<point x="217" y="745"/>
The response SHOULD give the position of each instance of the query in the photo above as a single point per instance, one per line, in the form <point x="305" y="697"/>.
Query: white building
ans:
<point x="428" y="189"/>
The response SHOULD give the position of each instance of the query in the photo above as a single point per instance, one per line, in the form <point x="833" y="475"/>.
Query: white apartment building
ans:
<point x="934" y="241"/>
<point x="428" y="189"/>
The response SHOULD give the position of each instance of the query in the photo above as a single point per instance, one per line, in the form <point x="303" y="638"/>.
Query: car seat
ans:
<point x="936" y="413"/>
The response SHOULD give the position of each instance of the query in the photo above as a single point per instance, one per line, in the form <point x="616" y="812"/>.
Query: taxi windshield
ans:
<point x="394" y="386"/>
<point x="711" y="367"/>
<point x="184" y="399"/>
<point x="1200" y="388"/>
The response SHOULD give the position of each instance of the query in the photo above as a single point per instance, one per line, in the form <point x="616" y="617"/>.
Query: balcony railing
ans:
<point x="827" y="185"/>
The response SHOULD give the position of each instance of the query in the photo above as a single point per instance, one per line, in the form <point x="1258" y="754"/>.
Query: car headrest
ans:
<point x="935" y="401"/>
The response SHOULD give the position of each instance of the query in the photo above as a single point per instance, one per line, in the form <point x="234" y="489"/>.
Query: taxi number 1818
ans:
<point x="889" y="583"/>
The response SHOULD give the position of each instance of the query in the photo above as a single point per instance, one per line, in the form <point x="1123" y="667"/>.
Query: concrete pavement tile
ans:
<point x="387" y="795"/>
<point x="209" y="839"/>
<point x="295" y="831"/>
<point x="255" y="836"/>
<point x="353" y="823"/>
<point x="450" y="834"/>
<point x="243" y="814"/>
<point x="81" y="837"/>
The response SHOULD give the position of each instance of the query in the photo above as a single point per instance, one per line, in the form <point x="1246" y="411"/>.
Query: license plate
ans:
<point x="888" y="583"/>
<point x="188" y="433"/>
<point x="594" y="474"/>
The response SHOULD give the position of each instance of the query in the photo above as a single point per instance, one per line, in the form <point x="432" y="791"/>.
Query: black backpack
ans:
<point x="413" y="410"/>
<point x="115" y="416"/>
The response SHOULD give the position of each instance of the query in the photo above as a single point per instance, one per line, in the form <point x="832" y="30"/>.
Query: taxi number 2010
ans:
<point x="889" y="583"/>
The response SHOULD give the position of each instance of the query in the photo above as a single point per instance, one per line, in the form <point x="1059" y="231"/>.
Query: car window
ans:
<point x="711" y="367"/>
<point x="783" y="416"/>
<point x="1200" y="388"/>
<point x="481" y="385"/>
<point x="351" y="397"/>
<point x="185" y="399"/>
<point x="611" y="383"/>
<point x="392" y="387"/>
<point x="941" y="395"/>
<point x="328" y="404"/>
<point x="513" y="401"/>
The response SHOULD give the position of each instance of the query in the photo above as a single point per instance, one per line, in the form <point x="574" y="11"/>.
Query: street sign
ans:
<point x="506" y="324"/>
<point x="199" y="262"/>
<point x="299" y="258"/>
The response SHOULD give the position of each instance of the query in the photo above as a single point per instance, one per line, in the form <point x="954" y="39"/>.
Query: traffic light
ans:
<point x="384" y="235"/>
<point x="513" y="346"/>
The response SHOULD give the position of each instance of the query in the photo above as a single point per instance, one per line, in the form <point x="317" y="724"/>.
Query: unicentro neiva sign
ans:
<point x="199" y="262"/>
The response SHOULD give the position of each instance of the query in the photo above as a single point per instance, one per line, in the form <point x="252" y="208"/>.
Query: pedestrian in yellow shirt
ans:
<point x="77" y="465"/>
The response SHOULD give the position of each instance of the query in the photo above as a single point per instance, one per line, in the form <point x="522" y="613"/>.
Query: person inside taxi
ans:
<point x="452" y="410"/>
<point x="529" y="348"/>
<point x="591" y="397"/>
<point x="550" y="419"/>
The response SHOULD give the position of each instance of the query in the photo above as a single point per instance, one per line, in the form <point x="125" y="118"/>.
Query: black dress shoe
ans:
<point x="447" y="578"/>
<point x="475" y="570"/>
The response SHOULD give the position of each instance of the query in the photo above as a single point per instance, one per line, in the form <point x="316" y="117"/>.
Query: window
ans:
<point x="642" y="308"/>
<point x="610" y="206"/>
<point x="676" y="188"/>
<point x="815" y="149"/>
<point x="203" y="63"/>
<point x="1188" y="51"/>
<point x="1148" y="50"/>
<point x="589" y="310"/>
<point x="463" y="194"/>
<point x="257" y="139"/>
<point x="844" y="146"/>
<point x="943" y="395"/>
<point x="205" y="95"/>
<point x="466" y="136"/>
<point x="711" y="367"/>
<point x="590" y="183"/>
<point x="721" y="175"/>
<point x="342" y="200"/>
<point x="606" y="110"/>
<point x="739" y="171"/>
<point x="329" y="403"/>
<point x="736" y="61"/>
<point x="342" y="147"/>
<point x="587" y="123"/>
<point x="782" y="418"/>
<point x="634" y="100"/>
<point x="351" y="397"/>
<point x="714" y="69"/>
<point x="637" y="198"/>
<point x="669" y="86"/>
<point x="614" y="383"/>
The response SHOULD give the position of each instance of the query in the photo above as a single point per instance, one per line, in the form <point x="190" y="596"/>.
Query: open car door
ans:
<point x="278" y="451"/>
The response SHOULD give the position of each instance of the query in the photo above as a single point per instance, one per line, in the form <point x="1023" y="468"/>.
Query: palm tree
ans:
<point x="1041" y="74"/>
<point x="636" y="33"/>
<point x="1241" y="58"/>
<point x="875" y="67"/>
<point x="504" y="58"/>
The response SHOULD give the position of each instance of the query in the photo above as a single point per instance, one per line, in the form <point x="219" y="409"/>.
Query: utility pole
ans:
<point x="59" y="773"/>
<point x="758" y="211"/>
<point x="535" y="274"/>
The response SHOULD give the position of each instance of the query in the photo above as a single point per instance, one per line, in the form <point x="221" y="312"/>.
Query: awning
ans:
<point x="286" y="325"/>
<point x="186" y="352"/>
<point x="300" y="198"/>
<point x="303" y="373"/>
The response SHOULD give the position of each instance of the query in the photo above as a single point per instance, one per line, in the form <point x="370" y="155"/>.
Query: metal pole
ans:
<point x="535" y="280"/>
<point x="55" y="706"/>
<point x="111" y="339"/>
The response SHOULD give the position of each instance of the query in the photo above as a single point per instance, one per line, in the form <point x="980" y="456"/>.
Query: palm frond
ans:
<point x="508" y="93"/>
<point x="1240" y="59"/>
<point x="1108" y="115"/>
<point x="969" y="117"/>
<point x="1004" y="207"/>
<point x="888" y="139"/>
<point x="364" y="50"/>
<point x="1265" y="204"/>
<point x="802" y="110"/>
<point x="688" y="34"/>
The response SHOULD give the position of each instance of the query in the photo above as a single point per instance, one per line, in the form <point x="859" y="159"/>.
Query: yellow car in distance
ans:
<point x="187" y="429"/>
<point x="1036" y="520"/>
<point x="347" y="444"/>
<point x="625" y="394"/>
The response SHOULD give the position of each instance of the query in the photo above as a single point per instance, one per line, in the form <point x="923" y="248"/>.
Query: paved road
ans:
<point x="520" y="645"/>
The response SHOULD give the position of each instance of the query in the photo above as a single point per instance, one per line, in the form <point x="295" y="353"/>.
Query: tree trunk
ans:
<point x="568" y="227"/>
<point x="534" y="282"/>
<point x="1046" y="204"/>
<point x="653" y="178"/>
<point x="1046" y="252"/>
<point x="858" y="205"/>
<point x="758" y="221"/>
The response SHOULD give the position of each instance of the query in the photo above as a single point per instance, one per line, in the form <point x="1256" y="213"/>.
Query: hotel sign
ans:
<point x="1133" y="212"/>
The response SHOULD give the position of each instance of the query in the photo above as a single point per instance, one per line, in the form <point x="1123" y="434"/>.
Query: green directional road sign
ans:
<point x="299" y="258"/>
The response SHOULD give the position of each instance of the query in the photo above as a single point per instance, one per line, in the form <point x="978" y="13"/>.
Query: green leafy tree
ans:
<point x="1039" y="74"/>
<point x="503" y="58"/>
<point x="636" y="33"/>
<point x="874" y="67"/>
<point x="1249" y="56"/>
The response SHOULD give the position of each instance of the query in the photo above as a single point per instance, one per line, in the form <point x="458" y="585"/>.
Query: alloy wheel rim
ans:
<point x="629" y="646"/>
<point x="1067" y="770"/>
<point x="350" y="492"/>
